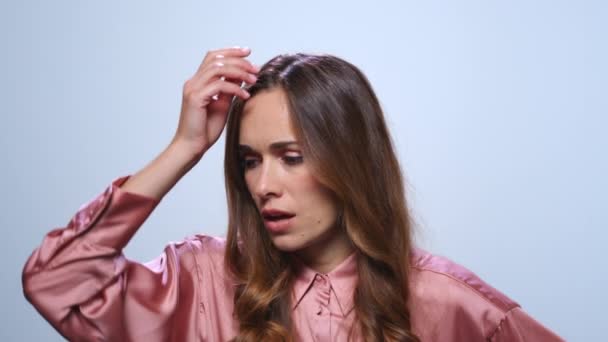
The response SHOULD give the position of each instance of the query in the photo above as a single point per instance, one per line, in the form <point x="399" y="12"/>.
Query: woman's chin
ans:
<point x="287" y="243"/>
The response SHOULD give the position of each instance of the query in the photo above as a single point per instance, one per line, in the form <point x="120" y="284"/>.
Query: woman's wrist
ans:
<point x="160" y="175"/>
<point x="183" y="155"/>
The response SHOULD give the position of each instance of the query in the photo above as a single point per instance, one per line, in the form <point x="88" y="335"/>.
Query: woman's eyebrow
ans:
<point x="279" y="145"/>
<point x="245" y="149"/>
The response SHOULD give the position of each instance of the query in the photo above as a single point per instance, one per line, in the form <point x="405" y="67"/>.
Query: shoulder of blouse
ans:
<point x="211" y="246"/>
<point x="203" y="252"/>
<point x="447" y="276"/>
<point x="447" y="299"/>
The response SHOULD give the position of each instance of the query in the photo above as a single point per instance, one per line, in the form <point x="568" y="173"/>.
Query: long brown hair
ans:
<point x="340" y="126"/>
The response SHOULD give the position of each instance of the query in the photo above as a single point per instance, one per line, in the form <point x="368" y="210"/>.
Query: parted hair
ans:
<point x="340" y="126"/>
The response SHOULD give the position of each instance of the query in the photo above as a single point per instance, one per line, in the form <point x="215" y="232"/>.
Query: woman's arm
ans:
<point x="78" y="278"/>
<point x="80" y="282"/>
<point x="159" y="176"/>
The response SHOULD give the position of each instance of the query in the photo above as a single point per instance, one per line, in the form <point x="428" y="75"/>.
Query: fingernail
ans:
<point x="246" y="49"/>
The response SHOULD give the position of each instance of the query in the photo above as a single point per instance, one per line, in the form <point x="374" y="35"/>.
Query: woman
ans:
<point x="318" y="245"/>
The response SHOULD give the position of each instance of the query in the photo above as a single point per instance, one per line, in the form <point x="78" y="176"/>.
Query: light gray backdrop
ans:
<point x="498" y="110"/>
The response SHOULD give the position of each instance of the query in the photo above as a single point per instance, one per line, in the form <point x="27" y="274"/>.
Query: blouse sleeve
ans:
<point x="80" y="282"/>
<point x="518" y="326"/>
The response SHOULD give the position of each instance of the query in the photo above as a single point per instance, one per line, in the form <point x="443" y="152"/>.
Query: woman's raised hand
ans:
<point x="205" y="103"/>
<point x="207" y="96"/>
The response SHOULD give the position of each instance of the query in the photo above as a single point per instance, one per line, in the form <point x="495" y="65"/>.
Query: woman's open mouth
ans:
<point x="277" y="221"/>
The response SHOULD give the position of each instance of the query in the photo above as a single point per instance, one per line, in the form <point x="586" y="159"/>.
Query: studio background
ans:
<point x="497" y="109"/>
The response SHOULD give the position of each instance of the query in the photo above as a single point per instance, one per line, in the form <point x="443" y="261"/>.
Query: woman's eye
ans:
<point x="292" y="160"/>
<point x="249" y="163"/>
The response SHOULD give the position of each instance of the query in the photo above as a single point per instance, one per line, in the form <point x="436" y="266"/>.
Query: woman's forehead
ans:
<point x="265" y="120"/>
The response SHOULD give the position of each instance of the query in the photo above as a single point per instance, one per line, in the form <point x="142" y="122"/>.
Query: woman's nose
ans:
<point x="267" y="183"/>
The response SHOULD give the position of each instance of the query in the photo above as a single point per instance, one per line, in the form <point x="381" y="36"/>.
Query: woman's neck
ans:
<point x="323" y="256"/>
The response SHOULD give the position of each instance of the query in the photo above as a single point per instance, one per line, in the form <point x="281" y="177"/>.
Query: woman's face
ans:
<point x="299" y="213"/>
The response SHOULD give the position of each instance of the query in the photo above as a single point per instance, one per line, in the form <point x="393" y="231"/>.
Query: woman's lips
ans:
<point x="276" y="220"/>
<point x="278" y="226"/>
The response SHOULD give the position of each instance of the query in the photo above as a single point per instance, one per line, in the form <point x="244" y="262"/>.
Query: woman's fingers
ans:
<point x="222" y="87"/>
<point x="220" y="62"/>
<point x="226" y="64"/>
<point x="208" y="93"/>
<point x="223" y="53"/>
<point x="232" y="72"/>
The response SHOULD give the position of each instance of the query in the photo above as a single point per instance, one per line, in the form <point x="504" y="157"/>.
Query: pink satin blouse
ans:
<point x="79" y="280"/>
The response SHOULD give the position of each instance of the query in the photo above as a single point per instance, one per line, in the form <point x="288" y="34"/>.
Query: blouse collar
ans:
<point x="342" y="280"/>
